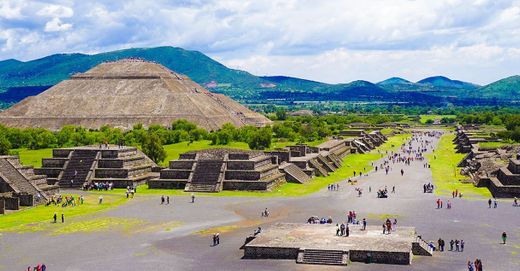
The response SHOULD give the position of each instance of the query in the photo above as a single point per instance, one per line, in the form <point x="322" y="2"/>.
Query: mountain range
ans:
<point x="21" y="79"/>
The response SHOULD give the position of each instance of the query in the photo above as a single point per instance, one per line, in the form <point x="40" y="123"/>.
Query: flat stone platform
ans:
<point x="286" y="240"/>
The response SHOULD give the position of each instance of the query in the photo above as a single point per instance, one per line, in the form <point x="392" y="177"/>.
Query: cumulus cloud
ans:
<point x="56" y="25"/>
<point x="333" y="41"/>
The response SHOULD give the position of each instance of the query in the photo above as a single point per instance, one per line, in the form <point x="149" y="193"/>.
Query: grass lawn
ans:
<point x="351" y="163"/>
<point x="446" y="175"/>
<point x="37" y="218"/>
<point x="32" y="157"/>
<point x="425" y="118"/>
<point x="496" y="144"/>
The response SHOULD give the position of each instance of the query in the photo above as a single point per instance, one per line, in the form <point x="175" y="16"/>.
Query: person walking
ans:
<point x="192" y="198"/>
<point x="504" y="238"/>
<point x="167" y="199"/>
<point x="489" y="203"/>
<point x="364" y="224"/>
<point x="55" y="217"/>
<point x="461" y="245"/>
<point x="162" y="200"/>
<point x="62" y="218"/>
<point x="470" y="266"/>
<point x="495" y="203"/>
<point x="100" y="199"/>
<point x="451" y="244"/>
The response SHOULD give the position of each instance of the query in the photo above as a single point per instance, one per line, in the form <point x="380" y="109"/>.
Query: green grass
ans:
<point x="446" y="175"/>
<point x="425" y="118"/>
<point x="35" y="218"/>
<point x="495" y="145"/>
<point x="32" y="157"/>
<point x="351" y="163"/>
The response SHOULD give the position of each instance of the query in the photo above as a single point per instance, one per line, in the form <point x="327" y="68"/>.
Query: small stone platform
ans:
<point x="292" y="240"/>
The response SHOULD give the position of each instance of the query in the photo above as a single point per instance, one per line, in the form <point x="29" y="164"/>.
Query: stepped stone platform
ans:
<point x="505" y="183"/>
<point x="21" y="186"/>
<point x="467" y="140"/>
<point x="215" y="170"/>
<point x="319" y="244"/>
<point x="73" y="167"/>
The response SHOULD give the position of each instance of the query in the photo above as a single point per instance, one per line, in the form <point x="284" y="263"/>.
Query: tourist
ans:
<point x="515" y="202"/>
<point x="44" y="267"/>
<point x="167" y="199"/>
<point x="495" y="203"/>
<point x="504" y="238"/>
<point x="62" y="218"/>
<point x="470" y="266"/>
<point x="364" y="224"/>
<point x="451" y="244"/>
<point x="461" y="245"/>
<point x="439" y="243"/>
<point x="55" y="217"/>
<point x="384" y="228"/>
<point x="448" y="205"/>
<point x="347" y="231"/>
<point x="192" y="198"/>
<point x="393" y="189"/>
<point x="489" y="203"/>
<point x="395" y="224"/>
<point x="457" y="244"/>
<point x="100" y="199"/>
<point x="338" y="230"/>
<point x="162" y="200"/>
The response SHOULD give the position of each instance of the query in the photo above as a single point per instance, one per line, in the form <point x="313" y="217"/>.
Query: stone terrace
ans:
<point x="220" y="169"/>
<point x="292" y="241"/>
<point x="123" y="166"/>
<point x="20" y="186"/>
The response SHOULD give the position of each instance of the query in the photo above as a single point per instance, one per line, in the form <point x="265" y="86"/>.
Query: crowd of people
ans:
<point x="99" y="186"/>
<point x="58" y="199"/>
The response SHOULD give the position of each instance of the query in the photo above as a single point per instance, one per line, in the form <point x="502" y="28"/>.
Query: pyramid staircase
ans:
<point x="322" y="257"/>
<point x="295" y="173"/>
<point x="316" y="165"/>
<point x="21" y="179"/>
<point x="78" y="168"/>
<point x="326" y="163"/>
<point x="207" y="176"/>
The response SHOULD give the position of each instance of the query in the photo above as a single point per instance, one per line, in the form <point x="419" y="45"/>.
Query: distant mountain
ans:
<point x="394" y="80"/>
<point x="505" y="89"/>
<point x="21" y="79"/>
<point x="441" y="82"/>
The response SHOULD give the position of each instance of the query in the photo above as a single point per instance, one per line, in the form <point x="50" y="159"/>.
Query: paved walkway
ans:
<point x="181" y="249"/>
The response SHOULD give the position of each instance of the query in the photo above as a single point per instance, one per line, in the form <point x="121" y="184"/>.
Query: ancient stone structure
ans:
<point x="215" y="170"/>
<point x="318" y="244"/>
<point x="466" y="140"/>
<point x="225" y="169"/>
<point x="73" y="167"/>
<point x="362" y="141"/>
<point x="20" y="186"/>
<point x="504" y="182"/>
<point x="124" y="93"/>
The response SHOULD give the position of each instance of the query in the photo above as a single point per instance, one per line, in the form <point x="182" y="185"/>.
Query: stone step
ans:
<point x="326" y="257"/>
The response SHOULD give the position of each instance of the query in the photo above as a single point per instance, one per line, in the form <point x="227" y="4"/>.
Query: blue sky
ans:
<point x="330" y="41"/>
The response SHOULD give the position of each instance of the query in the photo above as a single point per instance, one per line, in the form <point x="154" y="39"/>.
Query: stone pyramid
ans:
<point x="124" y="93"/>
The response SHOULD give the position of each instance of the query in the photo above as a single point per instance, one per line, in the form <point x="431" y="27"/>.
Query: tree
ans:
<point x="261" y="139"/>
<point x="5" y="145"/>
<point x="281" y="114"/>
<point x="153" y="148"/>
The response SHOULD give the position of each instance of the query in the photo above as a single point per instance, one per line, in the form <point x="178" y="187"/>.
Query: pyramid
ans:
<point x="124" y="93"/>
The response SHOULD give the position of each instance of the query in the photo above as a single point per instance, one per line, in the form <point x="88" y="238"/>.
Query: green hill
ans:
<point x="505" y="89"/>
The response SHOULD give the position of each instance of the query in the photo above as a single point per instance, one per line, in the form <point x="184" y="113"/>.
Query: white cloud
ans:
<point x="329" y="40"/>
<point x="55" y="11"/>
<point x="56" y="25"/>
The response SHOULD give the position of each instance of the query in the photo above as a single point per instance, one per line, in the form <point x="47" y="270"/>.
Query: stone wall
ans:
<point x="245" y="185"/>
<point x="180" y="164"/>
<point x="167" y="184"/>
<point x="404" y="258"/>
<point x="53" y="162"/>
<point x="26" y="200"/>
<point x="63" y="153"/>
<point x="270" y="253"/>
<point x="11" y="203"/>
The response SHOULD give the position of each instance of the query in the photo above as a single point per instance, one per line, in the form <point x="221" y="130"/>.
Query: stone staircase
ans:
<point x="324" y="257"/>
<point x="206" y="177"/>
<point x="420" y="247"/>
<point x="326" y="163"/>
<point x="316" y="165"/>
<point x="78" y="168"/>
<point x="20" y="183"/>
<point x="295" y="173"/>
